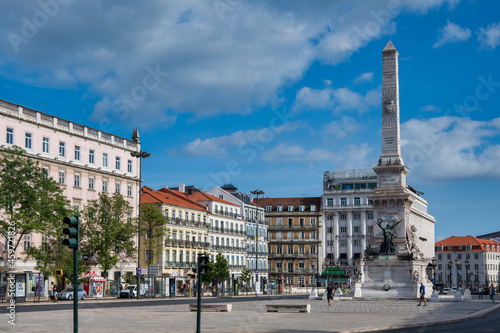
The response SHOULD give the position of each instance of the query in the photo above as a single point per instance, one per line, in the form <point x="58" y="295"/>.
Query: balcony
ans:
<point x="293" y="227"/>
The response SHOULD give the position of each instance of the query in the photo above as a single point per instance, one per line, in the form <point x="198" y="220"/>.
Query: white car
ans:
<point x="68" y="294"/>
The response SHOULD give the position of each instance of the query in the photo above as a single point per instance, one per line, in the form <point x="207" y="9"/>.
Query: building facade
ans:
<point x="186" y="237"/>
<point x="467" y="261"/>
<point x="348" y="217"/>
<point x="294" y="229"/>
<point x="226" y="230"/>
<point x="255" y="230"/>
<point x="85" y="161"/>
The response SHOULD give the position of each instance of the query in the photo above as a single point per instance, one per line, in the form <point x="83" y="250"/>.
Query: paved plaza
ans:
<point x="250" y="316"/>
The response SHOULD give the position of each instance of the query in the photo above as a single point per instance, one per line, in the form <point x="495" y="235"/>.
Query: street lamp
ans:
<point x="140" y="154"/>
<point x="338" y="270"/>
<point x="457" y="263"/>
<point x="313" y="280"/>
<point x="434" y="265"/>
<point x="450" y="265"/>
<point x="467" y="267"/>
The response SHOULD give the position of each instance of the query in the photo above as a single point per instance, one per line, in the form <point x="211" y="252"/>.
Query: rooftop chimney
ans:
<point x="182" y="187"/>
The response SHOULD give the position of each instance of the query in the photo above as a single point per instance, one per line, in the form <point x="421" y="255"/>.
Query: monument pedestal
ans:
<point x="387" y="276"/>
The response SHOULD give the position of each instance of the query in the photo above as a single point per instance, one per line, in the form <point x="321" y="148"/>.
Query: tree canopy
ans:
<point x="153" y="226"/>
<point x="108" y="230"/>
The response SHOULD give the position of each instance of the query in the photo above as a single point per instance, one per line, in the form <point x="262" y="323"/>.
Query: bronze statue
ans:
<point x="387" y="246"/>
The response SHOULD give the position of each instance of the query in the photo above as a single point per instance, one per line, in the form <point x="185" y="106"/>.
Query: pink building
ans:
<point x="84" y="160"/>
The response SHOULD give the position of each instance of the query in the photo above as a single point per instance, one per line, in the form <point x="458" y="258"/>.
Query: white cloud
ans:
<point x="338" y="100"/>
<point x="283" y="153"/>
<point x="489" y="37"/>
<point x="451" y="147"/>
<point x="430" y="108"/>
<point x="342" y="128"/>
<point x="365" y="77"/>
<point x="218" y="147"/>
<point x="218" y="61"/>
<point x="452" y="33"/>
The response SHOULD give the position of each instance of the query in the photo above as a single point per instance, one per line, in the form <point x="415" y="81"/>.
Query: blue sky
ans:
<point x="269" y="95"/>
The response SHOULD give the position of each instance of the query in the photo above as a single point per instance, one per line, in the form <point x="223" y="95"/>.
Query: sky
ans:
<point x="271" y="94"/>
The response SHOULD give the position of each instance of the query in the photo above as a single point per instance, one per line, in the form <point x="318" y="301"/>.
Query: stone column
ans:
<point x="349" y="236"/>
<point x="336" y="240"/>
<point x="363" y="239"/>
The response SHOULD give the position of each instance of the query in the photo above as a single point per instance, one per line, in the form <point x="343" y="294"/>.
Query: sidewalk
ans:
<point x="251" y="316"/>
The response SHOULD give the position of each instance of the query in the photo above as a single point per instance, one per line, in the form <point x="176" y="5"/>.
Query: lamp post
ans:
<point x="467" y="267"/>
<point x="457" y="264"/>
<point x="313" y="280"/>
<point x="434" y="265"/>
<point x="338" y="271"/>
<point x="140" y="154"/>
<point x="450" y="265"/>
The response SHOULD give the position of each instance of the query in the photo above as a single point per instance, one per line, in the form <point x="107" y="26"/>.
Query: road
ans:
<point x="486" y="324"/>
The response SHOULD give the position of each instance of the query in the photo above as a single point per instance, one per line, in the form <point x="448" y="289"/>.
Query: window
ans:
<point x="91" y="182"/>
<point x="357" y="201"/>
<point x="289" y="279"/>
<point x="149" y="255"/>
<point x="46" y="171"/>
<point x="279" y="221"/>
<point x="301" y="235"/>
<point x="313" y="249"/>
<point x="45" y="145"/>
<point x="77" y="153"/>
<point x="117" y="187"/>
<point x="279" y="235"/>
<point x="290" y="221"/>
<point x="343" y="216"/>
<point x="105" y="160"/>
<point x="167" y="256"/>
<point x="290" y="249"/>
<point x="357" y="216"/>
<point x="313" y="208"/>
<point x="301" y="208"/>
<point x="329" y="202"/>
<point x="129" y="166"/>
<point x="129" y="190"/>
<point x="356" y="242"/>
<point x="10" y="136"/>
<point x="343" y="242"/>
<point x="313" y="221"/>
<point x="301" y="221"/>
<point x="27" y="242"/>
<point x="290" y="269"/>
<point x="279" y="208"/>
<point x="369" y="216"/>
<point x="268" y="208"/>
<point x="343" y="230"/>
<point x="62" y="177"/>
<point x="62" y="149"/>
<point x="117" y="163"/>
<point x="77" y="180"/>
<point x="290" y="235"/>
<point x="343" y="201"/>
<point x="91" y="156"/>
<point x="105" y="185"/>
<point x="356" y="229"/>
<point x="301" y="249"/>
<point x="440" y="256"/>
<point x="27" y="140"/>
<point x="329" y="230"/>
<point x="279" y="249"/>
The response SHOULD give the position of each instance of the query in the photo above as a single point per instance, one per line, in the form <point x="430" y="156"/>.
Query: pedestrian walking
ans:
<point x="493" y="291"/>
<point x="329" y="294"/>
<point x="480" y="291"/>
<point x="422" y="294"/>
<point x="54" y="292"/>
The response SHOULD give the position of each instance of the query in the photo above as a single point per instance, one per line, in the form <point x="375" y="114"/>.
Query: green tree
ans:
<point x="246" y="275"/>
<point x="108" y="231"/>
<point x="154" y="228"/>
<point x="30" y="201"/>
<point x="208" y="277"/>
<point x="220" y="268"/>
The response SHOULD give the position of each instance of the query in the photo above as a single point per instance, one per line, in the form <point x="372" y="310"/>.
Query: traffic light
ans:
<point x="202" y="264"/>
<point x="71" y="231"/>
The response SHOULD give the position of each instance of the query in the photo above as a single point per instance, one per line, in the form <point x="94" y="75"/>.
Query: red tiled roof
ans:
<point x="476" y="243"/>
<point x="169" y="197"/>
<point x="202" y="197"/>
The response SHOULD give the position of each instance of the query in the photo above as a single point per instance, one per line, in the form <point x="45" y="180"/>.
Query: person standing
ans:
<point x="480" y="291"/>
<point x="329" y="292"/>
<point x="422" y="294"/>
<point x="54" y="292"/>
<point x="493" y="291"/>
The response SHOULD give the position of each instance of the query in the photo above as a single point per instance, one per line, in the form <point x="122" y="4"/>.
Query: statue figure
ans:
<point x="389" y="231"/>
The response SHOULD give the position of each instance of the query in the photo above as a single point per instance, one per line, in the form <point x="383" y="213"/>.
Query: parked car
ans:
<point x="129" y="292"/>
<point x="68" y="294"/>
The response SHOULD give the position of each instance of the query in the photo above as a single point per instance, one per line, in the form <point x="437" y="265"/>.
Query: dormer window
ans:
<point x="468" y="247"/>
<point x="290" y="208"/>
<point x="268" y="208"/>
<point x="440" y="248"/>
<point x="279" y="208"/>
<point x="301" y="208"/>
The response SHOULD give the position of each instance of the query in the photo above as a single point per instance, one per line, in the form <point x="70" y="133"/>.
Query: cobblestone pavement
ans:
<point x="250" y="316"/>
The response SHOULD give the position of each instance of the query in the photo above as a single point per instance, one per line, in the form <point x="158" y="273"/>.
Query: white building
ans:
<point x="226" y="230"/>
<point x="348" y="215"/>
<point x="255" y="227"/>
<point x="85" y="161"/>
<point x="467" y="261"/>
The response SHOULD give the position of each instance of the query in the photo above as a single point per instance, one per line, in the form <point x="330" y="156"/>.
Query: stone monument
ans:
<point x="402" y="241"/>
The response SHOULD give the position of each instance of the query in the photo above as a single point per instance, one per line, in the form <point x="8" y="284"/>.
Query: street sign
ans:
<point x="138" y="271"/>
<point x="154" y="269"/>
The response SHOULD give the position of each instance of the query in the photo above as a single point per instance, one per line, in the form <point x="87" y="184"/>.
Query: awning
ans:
<point x="333" y="271"/>
<point x="92" y="277"/>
